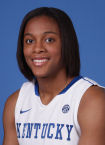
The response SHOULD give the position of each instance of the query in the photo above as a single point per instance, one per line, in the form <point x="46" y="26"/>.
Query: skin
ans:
<point x="91" y="117"/>
<point x="42" y="42"/>
<point x="10" y="137"/>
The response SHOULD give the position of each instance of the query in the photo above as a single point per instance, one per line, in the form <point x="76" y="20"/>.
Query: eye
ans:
<point x="29" y="41"/>
<point x="49" y="40"/>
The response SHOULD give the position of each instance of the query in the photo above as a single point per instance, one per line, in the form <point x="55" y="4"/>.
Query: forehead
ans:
<point x="42" y="23"/>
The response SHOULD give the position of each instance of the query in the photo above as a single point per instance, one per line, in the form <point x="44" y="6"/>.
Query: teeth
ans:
<point x="41" y="60"/>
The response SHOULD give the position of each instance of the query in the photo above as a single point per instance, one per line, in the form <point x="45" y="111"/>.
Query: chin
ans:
<point x="40" y="75"/>
<point x="46" y="73"/>
<point x="43" y="75"/>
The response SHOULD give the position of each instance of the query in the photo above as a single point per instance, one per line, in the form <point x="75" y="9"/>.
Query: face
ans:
<point x="42" y="47"/>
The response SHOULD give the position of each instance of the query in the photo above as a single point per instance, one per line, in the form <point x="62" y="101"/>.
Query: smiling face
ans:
<point x="42" y="47"/>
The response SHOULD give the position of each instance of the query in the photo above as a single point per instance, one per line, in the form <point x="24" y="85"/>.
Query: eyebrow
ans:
<point x="48" y="32"/>
<point x="27" y="34"/>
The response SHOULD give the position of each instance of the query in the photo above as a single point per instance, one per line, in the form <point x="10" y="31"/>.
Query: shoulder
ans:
<point x="10" y="136"/>
<point x="92" y="107"/>
<point x="95" y="95"/>
<point x="9" y="107"/>
<point x="12" y="99"/>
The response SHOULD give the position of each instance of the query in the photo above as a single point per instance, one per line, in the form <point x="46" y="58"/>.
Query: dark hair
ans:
<point x="70" y="47"/>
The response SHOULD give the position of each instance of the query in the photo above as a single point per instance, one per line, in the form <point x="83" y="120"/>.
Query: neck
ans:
<point x="50" y="87"/>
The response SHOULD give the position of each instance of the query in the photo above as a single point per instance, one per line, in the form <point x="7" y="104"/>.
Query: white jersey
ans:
<point x="52" y="124"/>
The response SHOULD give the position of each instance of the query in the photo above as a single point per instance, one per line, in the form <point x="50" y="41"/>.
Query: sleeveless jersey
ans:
<point x="52" y="124"/>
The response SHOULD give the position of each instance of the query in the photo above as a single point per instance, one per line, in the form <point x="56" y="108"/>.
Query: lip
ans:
<point x="40" y="61"/>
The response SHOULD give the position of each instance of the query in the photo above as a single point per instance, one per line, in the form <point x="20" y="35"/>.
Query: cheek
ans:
<point x="26" y="52"/>
<point x="56" y="53"/>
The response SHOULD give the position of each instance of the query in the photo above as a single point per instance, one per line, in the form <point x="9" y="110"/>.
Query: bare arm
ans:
<point x="10" y="137"/>
<point x="91" y="117"/>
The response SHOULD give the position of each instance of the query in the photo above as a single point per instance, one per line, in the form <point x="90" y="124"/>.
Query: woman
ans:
<point x="57" y="106"/>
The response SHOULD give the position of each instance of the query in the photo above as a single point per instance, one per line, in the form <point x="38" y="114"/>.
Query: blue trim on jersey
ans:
<point x="70" y="84"/>
<point x="64" y="90"/>
<point x="36" y="88"/>
<point x="88" y="81"/>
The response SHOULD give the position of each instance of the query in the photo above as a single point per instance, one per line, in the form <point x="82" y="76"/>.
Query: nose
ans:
<point x="38" y="47"/>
